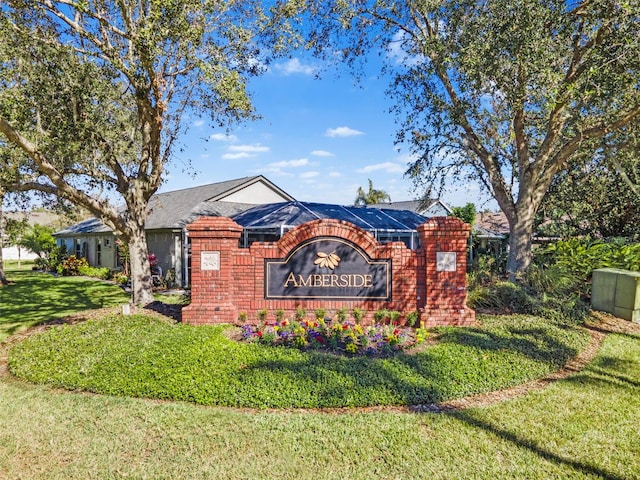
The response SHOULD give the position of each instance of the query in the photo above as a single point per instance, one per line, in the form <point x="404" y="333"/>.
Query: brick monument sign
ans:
<point x="328" y="264"/>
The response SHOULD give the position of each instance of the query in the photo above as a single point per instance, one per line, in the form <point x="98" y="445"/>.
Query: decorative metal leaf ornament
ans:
<point x="327" y="260"/>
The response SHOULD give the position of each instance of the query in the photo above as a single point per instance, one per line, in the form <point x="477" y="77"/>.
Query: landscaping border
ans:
<point x="598" y="326"/>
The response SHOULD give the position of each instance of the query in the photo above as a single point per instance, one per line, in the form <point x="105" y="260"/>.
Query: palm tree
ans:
<point x="371" y="197"/>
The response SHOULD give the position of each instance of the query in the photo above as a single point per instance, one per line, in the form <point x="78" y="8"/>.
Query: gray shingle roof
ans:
<point x="92" y="225"/>
<point x="176" y="209"/>
<point x="180" y="207"/>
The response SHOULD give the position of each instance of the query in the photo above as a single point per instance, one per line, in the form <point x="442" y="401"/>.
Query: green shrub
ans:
<point x="120" y="278"/>
<point x="412" y="318"/>
<point x="72" y="265"/>
<point x="102" y="273"/>
<point x="504" y="296"/>
<point x="57" y="255"/>
<point x="507" y="297"/>
<point x="557" y="284"/>
<point x="379" y="315"/>
<point x="580" y="257"/>
<point x="358" y="314"/>
<point x="301" y="313"/>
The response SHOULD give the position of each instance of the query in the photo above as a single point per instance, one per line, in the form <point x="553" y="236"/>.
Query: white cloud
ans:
<point x="289" y="163"/>
<point x="236" y="156"/>
<point x="198" y="123"/>
<point x="342" y="132"/>
<point x="335" y="174"/>
<point x="293" y="66"/>
<point x="388" y="167"/>
<point x="309" y="174"/>
<point x="223" y="137"/>
<point x="322" y="153"/>
<point x="252" y="149"/>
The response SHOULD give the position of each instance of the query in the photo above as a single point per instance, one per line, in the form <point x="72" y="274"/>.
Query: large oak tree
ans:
<point x="502" y="92"/>
<point x="94" y="93"/>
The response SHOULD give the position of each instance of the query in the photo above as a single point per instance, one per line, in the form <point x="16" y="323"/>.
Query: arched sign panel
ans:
<point x="328" y="268"/>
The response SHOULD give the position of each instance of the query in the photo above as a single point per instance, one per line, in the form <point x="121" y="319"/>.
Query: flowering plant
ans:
<point x="339" y="336"/>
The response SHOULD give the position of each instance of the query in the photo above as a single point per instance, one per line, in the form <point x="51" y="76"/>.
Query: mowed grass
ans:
<point x="143" y="356"/>
<point x="36" y="297"/>
<point x="583" y="427"/>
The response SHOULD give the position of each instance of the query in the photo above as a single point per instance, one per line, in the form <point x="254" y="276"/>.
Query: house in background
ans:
<point x="168" y="215"/>
<point x="45" y="219"/>
<point x="433" y="208"/>
<point x="490" y="234"/>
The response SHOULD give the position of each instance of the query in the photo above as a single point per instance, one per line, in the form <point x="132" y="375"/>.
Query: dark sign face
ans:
<point x="328" y="267"/>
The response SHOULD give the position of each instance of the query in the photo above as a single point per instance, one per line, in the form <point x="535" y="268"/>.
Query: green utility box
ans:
<point x="616" y="291"/>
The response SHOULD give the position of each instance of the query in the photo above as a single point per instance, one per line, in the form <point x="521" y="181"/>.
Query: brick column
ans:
<point x="214" y="241"/>
<point x="444" y="241"/>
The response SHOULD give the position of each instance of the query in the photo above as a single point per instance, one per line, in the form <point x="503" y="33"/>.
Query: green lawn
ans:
<point x="582" y="427"/>
<point x="36" y="297"/>
<point x="585" y="426"/>
<point x="142" y="356"/>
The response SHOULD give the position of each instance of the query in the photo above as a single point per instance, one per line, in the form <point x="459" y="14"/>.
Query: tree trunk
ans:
<point x="3" y="278"/>
<point x="141" y="286"/>
<point x="520" y="241"/>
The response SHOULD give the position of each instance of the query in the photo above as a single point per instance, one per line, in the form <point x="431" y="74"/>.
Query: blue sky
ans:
<point x="318" y="139"/>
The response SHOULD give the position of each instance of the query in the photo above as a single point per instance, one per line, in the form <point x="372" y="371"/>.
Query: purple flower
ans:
<point x="247" y="331"/>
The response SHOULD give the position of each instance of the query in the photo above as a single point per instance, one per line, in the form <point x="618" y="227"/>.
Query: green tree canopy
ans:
<point x="39" y="239"/>
<point x="598" y="196"/>
<point x="505" y="93"/>
<point x="467" y="213"/>
<point x="94" y="95"/>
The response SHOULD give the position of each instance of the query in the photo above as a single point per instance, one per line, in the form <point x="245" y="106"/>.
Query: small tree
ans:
<point x="371" y="197"/>
<point x="39" y="240"/>
<point x="467" y="213"/>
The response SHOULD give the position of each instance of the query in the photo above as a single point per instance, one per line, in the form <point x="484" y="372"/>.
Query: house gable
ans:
<point x="258" y="190"/>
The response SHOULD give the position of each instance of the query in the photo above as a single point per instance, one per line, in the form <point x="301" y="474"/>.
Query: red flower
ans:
<point x="259" y="333"/>
<point x="315" y="324"/>
<point x="396" y="331"/>
<point x="345" y="326"/>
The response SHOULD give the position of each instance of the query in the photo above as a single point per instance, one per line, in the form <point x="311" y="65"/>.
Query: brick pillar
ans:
<point x="214" y="240"/>
<point x="444" y="241"/>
